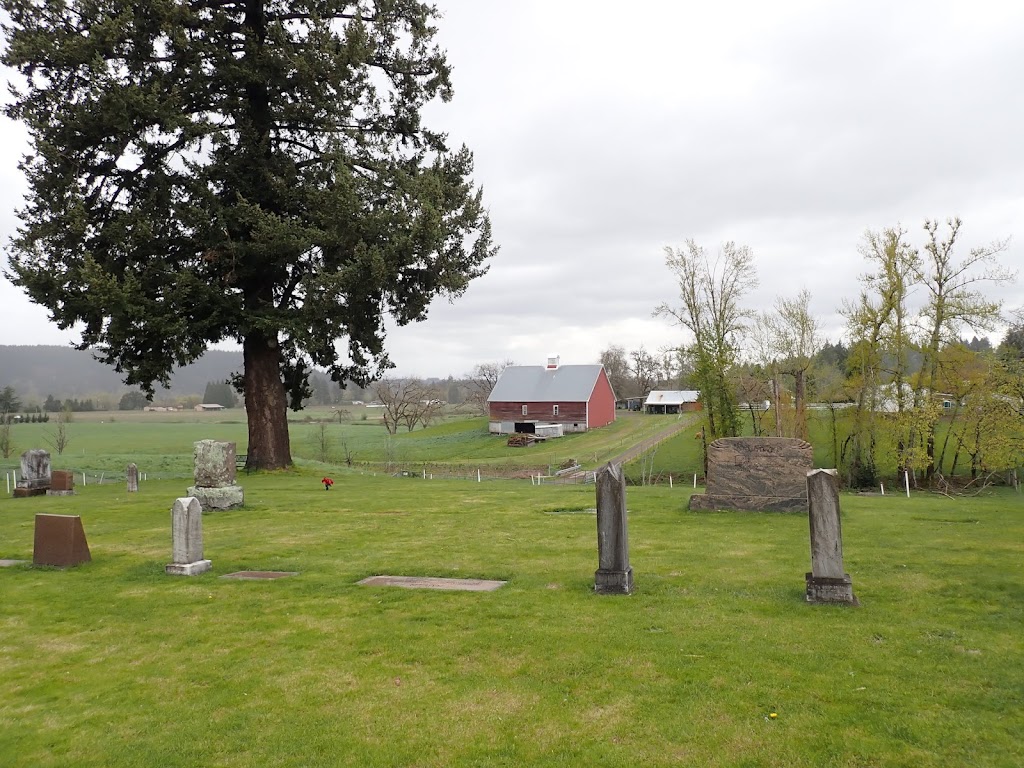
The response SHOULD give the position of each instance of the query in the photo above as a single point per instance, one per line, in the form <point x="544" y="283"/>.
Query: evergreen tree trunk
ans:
<point x="265" y="404"/>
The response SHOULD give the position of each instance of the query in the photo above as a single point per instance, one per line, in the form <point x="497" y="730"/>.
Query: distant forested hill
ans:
<point x="38" y="371"/>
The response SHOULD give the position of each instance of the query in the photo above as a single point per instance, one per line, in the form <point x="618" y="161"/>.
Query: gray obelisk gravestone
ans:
<point x="827" y="582"/>
<point x="187" y="538"/>
<point x="132" y="475"/>
<point x="613" y="576"/>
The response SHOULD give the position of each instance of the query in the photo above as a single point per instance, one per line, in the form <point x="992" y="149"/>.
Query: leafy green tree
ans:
<point x="878" y="326"/>
<point x="221" y="393"/>
<point x="956" y="297"/>
<point x="711" y="310"/>
<point x="247" y="170"/>
<point x="9" y="400"/>
<point x="52" y="404"/>
<point x="133" y="401"/>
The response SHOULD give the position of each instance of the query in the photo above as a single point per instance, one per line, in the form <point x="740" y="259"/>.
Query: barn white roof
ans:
<point x="535" y="383"/>
<point x="672" y="397"/>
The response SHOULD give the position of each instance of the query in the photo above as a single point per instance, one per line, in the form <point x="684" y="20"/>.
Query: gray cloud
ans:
<point x="602" y="135"/>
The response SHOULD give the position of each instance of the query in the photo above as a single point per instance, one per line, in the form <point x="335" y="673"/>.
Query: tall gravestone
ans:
<point x="614" y="575"/>
<point x="215" y="485"/>
<point x="756" y="473"/>
<point x="131" y="474"/>
<point x="35" y="473"/>
<point x="828" y="582"/>
<point x="187" y="539"/>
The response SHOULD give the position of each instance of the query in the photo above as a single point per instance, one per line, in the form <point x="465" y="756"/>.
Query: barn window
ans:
<point x="524" y="410"/>
<point x="554" y="410"/>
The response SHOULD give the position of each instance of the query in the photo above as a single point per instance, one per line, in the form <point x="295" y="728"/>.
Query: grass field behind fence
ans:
<point x="115" y="664"/>
<point x="105" y="443"/>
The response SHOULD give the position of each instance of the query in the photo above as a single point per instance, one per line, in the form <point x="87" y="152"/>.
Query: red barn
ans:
<point x="578" y="397"/>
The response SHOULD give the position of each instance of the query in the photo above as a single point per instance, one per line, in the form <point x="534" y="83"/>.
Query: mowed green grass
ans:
<point x="114" y="663"/>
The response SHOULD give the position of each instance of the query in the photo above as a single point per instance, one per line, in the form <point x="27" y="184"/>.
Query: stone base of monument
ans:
<point x="52" y="492"/>
<point x="188" y="569"/>
<point x="226" y="497"/>
<point x="613" y="582"/>
<point x="20" y="493"/>
<point x="821" y="589"/>
<point x="708" y="502"/>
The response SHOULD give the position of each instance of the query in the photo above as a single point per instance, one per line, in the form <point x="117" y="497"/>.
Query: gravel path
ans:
<point x="685" y="420"/>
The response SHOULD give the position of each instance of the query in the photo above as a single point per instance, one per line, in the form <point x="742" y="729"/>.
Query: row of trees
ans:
<point x="906" y="370"/>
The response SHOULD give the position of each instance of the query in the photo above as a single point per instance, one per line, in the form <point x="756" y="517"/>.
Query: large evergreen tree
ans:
<point x="254" y="170"/>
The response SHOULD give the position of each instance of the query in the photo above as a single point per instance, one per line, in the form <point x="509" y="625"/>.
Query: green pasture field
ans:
<point x="114" y="663"/>
<point x="161" y="443"/>
<point x="680" y="455"/>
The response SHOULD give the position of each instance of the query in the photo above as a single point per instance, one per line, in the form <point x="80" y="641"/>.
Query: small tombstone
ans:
<point x="60" y="541"/>
<point x="187" y="539"/>
<point x="35" y="473"/>
<point x="131" y="473"/>
<point x="827" y="582"/>
<point x="62" y="483"/>
<point x="614" y="575"/>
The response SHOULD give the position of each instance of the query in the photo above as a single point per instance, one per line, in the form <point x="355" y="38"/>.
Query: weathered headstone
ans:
<point x="62" y="483"/>
<point x="827" y="582"/>
<point x="756" y="473"/>
<point x="187" y="539"/>
<point x="35" y="473"/>
<point x="60" y="541"/>
<point x="614" y="575"/>
<point x="215" y="476"/>
<point x="131" y="474"/>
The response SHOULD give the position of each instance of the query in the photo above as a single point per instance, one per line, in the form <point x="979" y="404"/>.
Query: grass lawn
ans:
<point x="115" y="664"/>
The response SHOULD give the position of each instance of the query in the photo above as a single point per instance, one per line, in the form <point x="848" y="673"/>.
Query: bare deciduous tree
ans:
<point x="711" y="292"/>
<point x="407" y="402"/>
<point x="482" y="380"/>
<point x="59" y="438"/>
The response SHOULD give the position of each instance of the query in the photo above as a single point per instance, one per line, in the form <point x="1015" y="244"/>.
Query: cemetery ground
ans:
<point x="716" y="659"/>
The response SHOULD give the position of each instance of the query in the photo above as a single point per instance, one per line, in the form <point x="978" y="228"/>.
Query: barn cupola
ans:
<point x="553" y="361"/>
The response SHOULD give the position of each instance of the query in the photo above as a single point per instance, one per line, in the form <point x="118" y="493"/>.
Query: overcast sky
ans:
<point x="604" y="132"/>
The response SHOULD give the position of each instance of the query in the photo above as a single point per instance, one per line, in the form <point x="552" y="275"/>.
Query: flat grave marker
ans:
<point x="433" y="582"/>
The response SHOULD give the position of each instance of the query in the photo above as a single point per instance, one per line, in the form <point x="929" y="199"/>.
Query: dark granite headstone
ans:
<point x="62" y="480"/>
<point x="827" y="582"/>
<point x="60" y="541"/>
<point x="756" y="473"/>
<point x="614" y="575"/>
<point x="62" y="483"/>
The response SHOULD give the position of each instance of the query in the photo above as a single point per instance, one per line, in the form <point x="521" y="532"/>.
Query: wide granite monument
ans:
<point x="215" y="486"/>
<point x="756" y="473"/>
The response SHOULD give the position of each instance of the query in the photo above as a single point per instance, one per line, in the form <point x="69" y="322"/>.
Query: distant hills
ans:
<point x="65" y="372"/>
